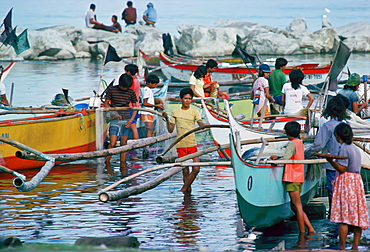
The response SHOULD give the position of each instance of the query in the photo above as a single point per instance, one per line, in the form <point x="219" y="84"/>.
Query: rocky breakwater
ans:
<point x="69" y="42"/>
<point x="220" y="38"/>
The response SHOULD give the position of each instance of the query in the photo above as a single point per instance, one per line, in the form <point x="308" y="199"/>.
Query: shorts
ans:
<point x="278" y="100"/>
<point x="136" y="117"/>
<point x="293" y="186"/>
<point x="118" y="128"/>
<point x="181" y="152"/>
<point x="147" y="118"/>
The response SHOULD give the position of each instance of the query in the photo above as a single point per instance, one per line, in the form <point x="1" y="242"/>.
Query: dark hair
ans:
<point x="296" y="77"/>
<point x="211" y="63"/>
<point x="199" y="71"/>
<point x="115" y="17"/>
<point x="132" y="68"/>
<point x="344" y="132"/>
<point x="125" y="80"/>
<point x="336" y="108"/>
<point x="353" y="88"/>
<point x="186" y="91"/>
<point x="280" y="62"/>
<point x="92" y="6"/>
<point x="292" y="128"/>
<point x="152" y="78"/>
<point x="129" y="3"/>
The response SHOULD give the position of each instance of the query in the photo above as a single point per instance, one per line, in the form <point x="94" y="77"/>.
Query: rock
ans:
<point x="298" y="27"/>
<point x="111" y="242"/>
<point x="9" y="242"/>
<point x="356" y="36"/>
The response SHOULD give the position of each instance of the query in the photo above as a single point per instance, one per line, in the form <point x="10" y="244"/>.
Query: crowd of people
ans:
<point x="344" y="184"/>
<point x="129" y="15"/>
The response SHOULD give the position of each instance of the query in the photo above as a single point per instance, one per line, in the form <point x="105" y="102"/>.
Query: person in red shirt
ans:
<point x="129" y="14"/>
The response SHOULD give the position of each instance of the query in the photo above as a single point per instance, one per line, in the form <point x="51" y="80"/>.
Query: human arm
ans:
<point x="169" y="124"/>
<point x="289" y="151"/>
<point x="252" y="94"/>
<point x="321" y="140"/>
<point x="356" y="107"/>
<point x="4" y="100"/>
<point x="192" y="87"/>
<point x="283" y="100"/>
<point x="146" y="104"/>
<point x="311" y="99"/>
<point x="267" y="94"/>
<point x="336" y="165"/>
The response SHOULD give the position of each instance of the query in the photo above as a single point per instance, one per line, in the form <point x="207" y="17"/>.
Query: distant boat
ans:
<point x="181" y="69"/>
<point x="260" y="191"/>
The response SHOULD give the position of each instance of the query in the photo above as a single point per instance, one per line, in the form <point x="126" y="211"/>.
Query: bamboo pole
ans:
<point x="136" y="144"/>
<point x="105" y="196"/>
<point x="282" y="161"/>
<point x="6" y="169"/>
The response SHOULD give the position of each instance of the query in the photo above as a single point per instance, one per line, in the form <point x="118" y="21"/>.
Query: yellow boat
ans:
<point x="60" y="132"/>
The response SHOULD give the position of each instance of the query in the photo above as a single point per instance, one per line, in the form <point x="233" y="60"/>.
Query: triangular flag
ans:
<point x="21" y="44"/>
<point x="8" y="22"/>
<point x="11" y="38"/>
<point x="111" y="55"/>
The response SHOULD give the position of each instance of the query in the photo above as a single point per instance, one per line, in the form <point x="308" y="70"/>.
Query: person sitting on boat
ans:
<point x="184" y="119"/>
<point x="212" y="88"/>
<point x="196" y="81"/>
<point x="120" y="96"/>
<point x="150" y="15"/>
<point x="325" y="141"/>
<point x="277" y="79"/>
<point x="293" y="93"/>
<point x="148" y="102"/>
<point x="260" y="92"/>
<point x="294" y="174"/>
<point x="349" y="91"/>
<point x="349" y="207"/>
<point x="129" y="14"/>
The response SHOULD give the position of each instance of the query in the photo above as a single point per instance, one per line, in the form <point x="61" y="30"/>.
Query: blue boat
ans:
<point x="260" y="191"/>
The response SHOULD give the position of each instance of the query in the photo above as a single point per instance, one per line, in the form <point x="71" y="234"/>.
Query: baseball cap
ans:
<point x="354" y="80"/>
<point x="265" y="68"/>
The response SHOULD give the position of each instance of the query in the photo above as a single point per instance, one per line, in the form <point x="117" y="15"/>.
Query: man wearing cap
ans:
<point x="260" y="92"/>
<point x="150" y="15"/>
<point x="349" y="91"/>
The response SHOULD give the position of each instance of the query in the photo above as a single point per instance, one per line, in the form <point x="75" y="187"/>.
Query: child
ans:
<point x="196" y="81"/>
<point x="149" y="103"/>
<point x="132" y="70"/>
<point x="294" y="175"/>
<point x="212" y="88"/>
<point x="293" y="93"/>
<point x="277" y="79"/>
<point x="260" y="91"/>
<point x="116" y="27"/>
<point x="120" y="96"/>
<point x="184" y="119"/>
<point x="349" y="203"/>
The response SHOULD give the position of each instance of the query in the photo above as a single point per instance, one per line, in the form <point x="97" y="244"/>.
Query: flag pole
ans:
<point x="102" y="70"/>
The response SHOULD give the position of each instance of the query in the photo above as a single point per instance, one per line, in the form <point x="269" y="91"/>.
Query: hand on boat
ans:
<point x="273" y="157"/>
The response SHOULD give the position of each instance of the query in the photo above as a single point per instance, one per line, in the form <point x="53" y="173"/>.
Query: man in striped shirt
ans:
<point x="120" y="96"/>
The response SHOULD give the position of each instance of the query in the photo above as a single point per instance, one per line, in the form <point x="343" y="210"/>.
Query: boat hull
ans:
<point x="57" y="133"/>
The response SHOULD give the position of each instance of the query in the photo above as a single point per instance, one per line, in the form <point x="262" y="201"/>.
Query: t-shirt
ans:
<point x="185" y="121"/>
<point x="260" y="84"/>
<point x="198" y="83"/>
<point x="147" y="93"/>
<point x="151" y="13"/>
<point x="136" y="87"/>
<point x="121" y="98"/>
<point x="276" y="81"/>
<point x="2" y="88"/>
<point x="293" y="98"/>
<point x="351" y="95"/>
<point x="353" y="161"/>
<point x="89" y="15"/>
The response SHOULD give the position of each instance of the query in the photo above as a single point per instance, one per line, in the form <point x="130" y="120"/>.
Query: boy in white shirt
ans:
<point x="149" y="103"/>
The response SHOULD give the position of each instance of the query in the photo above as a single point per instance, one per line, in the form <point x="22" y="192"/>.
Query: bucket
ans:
<point x="82" y="106"/>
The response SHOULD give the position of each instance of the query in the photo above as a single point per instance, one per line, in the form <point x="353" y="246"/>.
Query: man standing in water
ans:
<point x="184" y="119"/>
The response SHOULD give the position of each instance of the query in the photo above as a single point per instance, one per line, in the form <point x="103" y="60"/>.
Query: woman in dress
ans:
<point x="349" y="207"/>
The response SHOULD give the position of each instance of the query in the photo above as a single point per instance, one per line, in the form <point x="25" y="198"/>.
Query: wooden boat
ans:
<point x="261" y="194"/>
<point x="221" y="135"/>
<point x="60" y="132"/>
<point x="181" y="70"/>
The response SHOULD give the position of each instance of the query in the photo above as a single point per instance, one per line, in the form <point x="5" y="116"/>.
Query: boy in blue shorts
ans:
<point x="120" y="96"/>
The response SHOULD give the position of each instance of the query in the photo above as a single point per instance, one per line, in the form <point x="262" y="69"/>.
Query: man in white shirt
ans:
<point x="91" y="22"/>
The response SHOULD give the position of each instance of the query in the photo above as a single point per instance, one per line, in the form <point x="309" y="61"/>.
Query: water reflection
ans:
<point x="186" y="229"/>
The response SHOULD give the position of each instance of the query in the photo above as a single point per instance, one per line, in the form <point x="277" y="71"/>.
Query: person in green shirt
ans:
<point x="277" y="79"/>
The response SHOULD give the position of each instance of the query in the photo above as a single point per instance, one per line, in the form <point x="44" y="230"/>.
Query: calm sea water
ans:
<point x="66" y="206"/>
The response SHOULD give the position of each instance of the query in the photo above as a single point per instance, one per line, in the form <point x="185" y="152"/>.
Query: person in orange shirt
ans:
<point x="294" y="174"/>
<point x="211" y="88"/>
